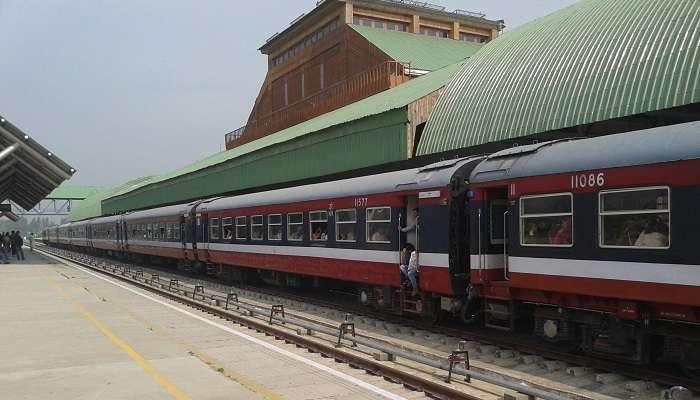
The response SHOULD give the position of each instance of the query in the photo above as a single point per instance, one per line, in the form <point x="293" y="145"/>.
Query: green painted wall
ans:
<point x="362" y="143"/>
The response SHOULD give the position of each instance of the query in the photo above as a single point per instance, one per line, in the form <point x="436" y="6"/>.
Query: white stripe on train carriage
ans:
<point x="389" y="257"/>
<point x="488" y="261"/>
<point x="156" y="244"/>
<point x="674" y="274"/>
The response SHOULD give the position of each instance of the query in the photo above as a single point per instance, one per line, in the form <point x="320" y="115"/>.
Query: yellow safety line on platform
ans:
<point x="173" y="390"/>
<point x="242" y="380"/>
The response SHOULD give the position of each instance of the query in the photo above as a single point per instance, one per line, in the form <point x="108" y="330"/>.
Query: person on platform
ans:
<point x="13" y="244"/>
<point x="31" y="242"/>
<point x="18" y="243"/>
<point x="3" y="254"/>
<point x="6" y="249"/>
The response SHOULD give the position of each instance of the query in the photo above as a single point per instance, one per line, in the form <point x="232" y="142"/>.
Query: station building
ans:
<point x="593" y="68"/>
<point x="346" y="50"/>
<point x="358" y="76"/>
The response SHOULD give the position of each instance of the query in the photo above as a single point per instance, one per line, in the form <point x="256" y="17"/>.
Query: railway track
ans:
<point x="515" y="361"/>
<point x="354" y="352"/>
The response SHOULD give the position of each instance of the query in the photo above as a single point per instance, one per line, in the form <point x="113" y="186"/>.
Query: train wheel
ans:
<point x="433" y="313"/>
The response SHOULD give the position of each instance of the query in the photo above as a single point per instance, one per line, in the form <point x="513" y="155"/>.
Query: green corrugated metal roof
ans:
<point x="373" y="140"/>
<point x="387" y="100"/>
<point x="66" y="191"/>
<point x="92" y="205"/>
<point x="593" y="61"/>
<point x="423" y="52"/>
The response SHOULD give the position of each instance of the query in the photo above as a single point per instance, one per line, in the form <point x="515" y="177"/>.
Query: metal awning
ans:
<point x="28" y="171"/>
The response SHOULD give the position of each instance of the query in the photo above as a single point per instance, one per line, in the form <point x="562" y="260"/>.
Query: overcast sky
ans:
<point x="126" y="88"/>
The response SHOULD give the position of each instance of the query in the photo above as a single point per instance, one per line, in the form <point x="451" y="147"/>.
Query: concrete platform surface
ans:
<point x="68" y="333"/>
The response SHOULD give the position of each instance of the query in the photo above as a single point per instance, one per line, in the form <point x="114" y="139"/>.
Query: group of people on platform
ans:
<point x="11" y="245"/>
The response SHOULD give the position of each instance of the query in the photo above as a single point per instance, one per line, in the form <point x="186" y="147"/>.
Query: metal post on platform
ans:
<point x="458" y="356"/>
<point x="229" y="297"/>
<point x="198" y="289"/>
<point x="346" y="327"/>
<point x="276" y="309"/>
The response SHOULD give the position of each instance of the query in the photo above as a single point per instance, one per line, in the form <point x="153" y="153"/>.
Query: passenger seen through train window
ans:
<point x="635" y="218"/>
<point x="295" y="226"/>
<point x="546" y="220"/>
<point x="318" y="224"/>
<point x="227" y="224"/>
<point x="378" y="224"/>
<point x="345" y="222"/>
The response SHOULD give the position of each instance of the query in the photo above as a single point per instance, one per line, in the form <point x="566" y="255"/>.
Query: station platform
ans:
<point x="70" y="333"/>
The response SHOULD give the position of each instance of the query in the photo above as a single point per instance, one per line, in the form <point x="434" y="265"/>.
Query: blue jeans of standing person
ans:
<point x="413" y="277"/>
<point x="20" y="253"/>
<point x="3" y="256"/>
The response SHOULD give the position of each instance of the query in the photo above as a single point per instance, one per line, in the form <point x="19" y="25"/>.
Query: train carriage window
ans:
<point x="256" y="227"/>
<point x="227" y="227"/>
<point x="241" y="227"/>
<point x="168" y="230"/>
<point x="635" y="218"/>
<point x="176" y="231"/>
<point x="274" y="227"/>
<point x="378" y="224"/>
<point x="162" y="231"/>
<point x="547" y="220"/>
<point x="318" y="224"/>
<point x="213" y="229"/>
<point x="295" y="226"/>
<point x="345" y="224"/>
<point x="149" y="231"/>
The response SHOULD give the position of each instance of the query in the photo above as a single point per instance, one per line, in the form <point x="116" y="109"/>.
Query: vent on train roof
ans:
<point x="525" y="149"/>
<point x="442" y="164"/>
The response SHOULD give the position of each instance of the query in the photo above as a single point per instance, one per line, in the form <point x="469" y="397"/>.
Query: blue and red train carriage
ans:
<point x="593" y="241"/>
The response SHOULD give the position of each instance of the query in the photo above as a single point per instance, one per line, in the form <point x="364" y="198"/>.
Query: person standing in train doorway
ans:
<point x="411" y="231"/>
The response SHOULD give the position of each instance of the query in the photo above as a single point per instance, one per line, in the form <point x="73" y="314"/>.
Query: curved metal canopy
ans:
<point x="596" y="60"/>
<point x="28" y="171"/>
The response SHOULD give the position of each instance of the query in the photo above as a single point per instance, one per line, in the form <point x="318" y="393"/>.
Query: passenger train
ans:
<point x="592" y="243"/>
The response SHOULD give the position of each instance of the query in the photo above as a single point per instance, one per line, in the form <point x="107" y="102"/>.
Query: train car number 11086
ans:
<point x="587" y="180"/>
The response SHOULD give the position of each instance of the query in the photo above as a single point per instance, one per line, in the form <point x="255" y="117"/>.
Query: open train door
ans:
<point x="493" y="221"/>
<point x="410" y="299"/>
